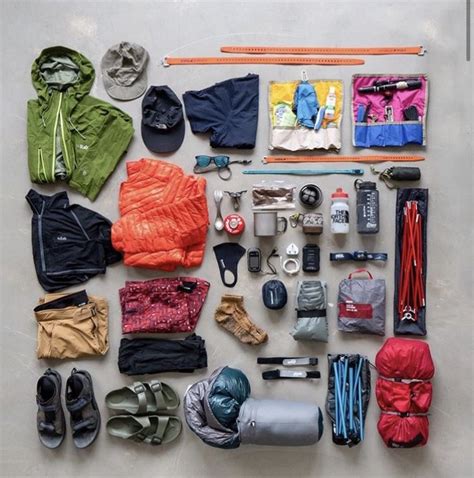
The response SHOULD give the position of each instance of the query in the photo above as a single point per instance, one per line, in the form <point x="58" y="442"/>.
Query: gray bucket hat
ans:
<point x="124" y="71"/>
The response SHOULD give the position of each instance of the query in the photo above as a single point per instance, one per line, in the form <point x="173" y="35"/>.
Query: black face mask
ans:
<point x="228" y="255"/>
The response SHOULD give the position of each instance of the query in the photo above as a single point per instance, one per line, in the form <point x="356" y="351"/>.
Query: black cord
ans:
<point x="269" y="264"/>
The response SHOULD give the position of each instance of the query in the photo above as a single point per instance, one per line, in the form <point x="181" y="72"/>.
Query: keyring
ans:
<point x="225" y="178"/>
<point x="295" y="262"/>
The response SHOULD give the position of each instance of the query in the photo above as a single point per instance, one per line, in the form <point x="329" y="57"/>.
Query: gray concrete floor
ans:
<point x="199" y="28"/>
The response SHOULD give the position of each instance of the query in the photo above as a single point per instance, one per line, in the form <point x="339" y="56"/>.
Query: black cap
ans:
<point x="162" y="120"/>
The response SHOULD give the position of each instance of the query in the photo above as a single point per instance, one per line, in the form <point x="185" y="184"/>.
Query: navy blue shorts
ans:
<point x="229" y="110"/>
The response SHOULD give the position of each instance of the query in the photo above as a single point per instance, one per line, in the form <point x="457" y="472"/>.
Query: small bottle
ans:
<point x="367" y="207"/>
<point x="330" y="110"/>
<point x="340" y="212"/>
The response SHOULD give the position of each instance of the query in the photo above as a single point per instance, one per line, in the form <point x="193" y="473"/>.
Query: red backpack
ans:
<point x="404" y="392"/>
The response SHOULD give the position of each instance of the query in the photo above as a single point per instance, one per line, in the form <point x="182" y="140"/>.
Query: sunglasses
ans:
<point x="220" y="161"/>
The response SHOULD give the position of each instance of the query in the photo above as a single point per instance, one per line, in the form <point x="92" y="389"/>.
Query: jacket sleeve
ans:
<point x="98" y="228"/>
<point x="96" y="164"/>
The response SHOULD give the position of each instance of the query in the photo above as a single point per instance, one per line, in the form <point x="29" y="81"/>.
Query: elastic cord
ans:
<point x="288" y="271"/>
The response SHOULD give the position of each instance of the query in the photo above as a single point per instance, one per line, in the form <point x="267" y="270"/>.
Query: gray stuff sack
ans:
<point x="361" y="305"/>
<point x="311" y="305"/>
<point x="279" y="423"/>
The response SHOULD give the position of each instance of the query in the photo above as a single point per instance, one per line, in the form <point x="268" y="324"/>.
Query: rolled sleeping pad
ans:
<point x="279" y="423"/>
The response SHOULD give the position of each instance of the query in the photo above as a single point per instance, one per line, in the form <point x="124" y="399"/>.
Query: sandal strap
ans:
<point x="141" y="435"/>
<point x="47" y="408"/>
<point x="47" y="427"/>
<point x="156" y="437"/>
<point x="157" y="388"/>
<point x="89" y="423"/>
<point x="79" y="404"/>
<point x="138" y="388"/>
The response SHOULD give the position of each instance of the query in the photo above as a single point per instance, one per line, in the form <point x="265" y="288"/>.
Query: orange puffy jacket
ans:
<point x="164" y="217"/>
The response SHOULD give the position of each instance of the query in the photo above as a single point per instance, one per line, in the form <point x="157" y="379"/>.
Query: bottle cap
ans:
<point x="340" y="193"/>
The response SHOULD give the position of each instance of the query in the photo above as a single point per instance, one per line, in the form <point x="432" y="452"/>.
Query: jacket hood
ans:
<point x="62" y="69"/>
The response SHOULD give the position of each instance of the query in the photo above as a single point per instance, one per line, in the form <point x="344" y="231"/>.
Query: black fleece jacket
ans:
<point x="71" y="243"/>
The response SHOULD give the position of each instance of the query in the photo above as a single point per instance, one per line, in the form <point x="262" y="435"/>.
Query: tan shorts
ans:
<point x="72" y="325"/>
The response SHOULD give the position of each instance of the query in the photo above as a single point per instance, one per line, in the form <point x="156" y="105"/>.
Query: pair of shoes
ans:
<point x="80" y="402"/>
<point x="142" y="401"/>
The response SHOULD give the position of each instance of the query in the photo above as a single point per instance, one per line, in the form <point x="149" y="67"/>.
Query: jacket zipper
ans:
<point x="41" y="168"/>
<point x="55" y="129"/>
<point x="40" y="235"/>
<point x="65" y="153"/>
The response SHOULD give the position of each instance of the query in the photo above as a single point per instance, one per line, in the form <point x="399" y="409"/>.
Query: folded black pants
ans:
<point x="141" y="356"/>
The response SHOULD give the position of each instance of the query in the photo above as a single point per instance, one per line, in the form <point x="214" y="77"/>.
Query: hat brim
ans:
<point x="163" y="140"/>
<point x="125" y="93"/>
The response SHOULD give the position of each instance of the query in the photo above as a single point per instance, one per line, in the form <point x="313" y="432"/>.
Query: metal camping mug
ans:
<point x="267" y="224"/>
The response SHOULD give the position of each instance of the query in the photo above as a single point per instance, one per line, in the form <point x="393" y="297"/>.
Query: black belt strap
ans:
<point x="310" y="313"/>
<point x="288" y="361"/>
<point x="358" y="256"/>
<point x="289" y="374"/>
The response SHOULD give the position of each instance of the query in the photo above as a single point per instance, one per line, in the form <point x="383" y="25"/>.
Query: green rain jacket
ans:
<point x="72" y="136"/>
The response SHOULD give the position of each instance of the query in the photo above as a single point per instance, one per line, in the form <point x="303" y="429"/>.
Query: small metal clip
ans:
<point x="422" y="51"/>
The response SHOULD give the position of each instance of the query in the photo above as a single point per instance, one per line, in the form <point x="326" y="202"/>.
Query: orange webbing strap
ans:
<point x="291" y="50"/>
<point x="268" y="60"/>
<point x="375" y="158"/>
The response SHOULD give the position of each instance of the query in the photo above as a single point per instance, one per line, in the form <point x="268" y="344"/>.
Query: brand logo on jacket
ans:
<point x="61" y="238"/>
<point x="83" y="146"/>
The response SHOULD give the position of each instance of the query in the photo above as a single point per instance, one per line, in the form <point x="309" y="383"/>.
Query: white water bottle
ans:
<point x="340" y="212"/>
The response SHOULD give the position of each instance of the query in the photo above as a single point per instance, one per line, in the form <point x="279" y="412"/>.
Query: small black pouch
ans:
<point x="274" y="294"/>
<point x="403" y="173"/>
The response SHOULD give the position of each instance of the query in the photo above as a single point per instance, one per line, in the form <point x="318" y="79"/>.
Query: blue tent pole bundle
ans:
<point x="306" y="172"/>
<point x="348" y="397"/>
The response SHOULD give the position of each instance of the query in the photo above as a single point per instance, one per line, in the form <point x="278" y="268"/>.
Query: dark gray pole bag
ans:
<point x="361" y="305"/>
<point x="311" y="305"/>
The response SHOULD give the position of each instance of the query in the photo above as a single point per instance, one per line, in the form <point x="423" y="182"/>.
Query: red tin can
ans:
<point x="234" y="224"/>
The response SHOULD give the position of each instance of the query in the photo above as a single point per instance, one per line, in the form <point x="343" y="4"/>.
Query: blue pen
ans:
<point x="306" y="172"/>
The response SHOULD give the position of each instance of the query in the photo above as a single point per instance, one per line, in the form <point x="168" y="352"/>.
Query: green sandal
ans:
<point x="152" y="429"/>
<point x="143" y="397"/>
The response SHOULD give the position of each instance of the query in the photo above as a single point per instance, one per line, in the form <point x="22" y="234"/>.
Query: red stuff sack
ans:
<point x="404" y="392"/>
